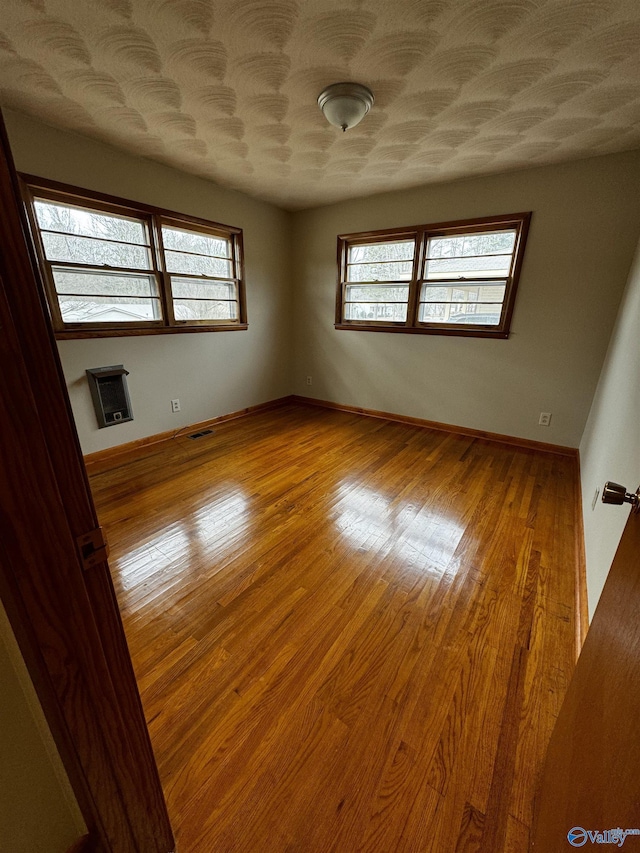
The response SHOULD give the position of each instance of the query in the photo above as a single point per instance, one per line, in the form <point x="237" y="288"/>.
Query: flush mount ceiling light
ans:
<point x="345" y="104"/>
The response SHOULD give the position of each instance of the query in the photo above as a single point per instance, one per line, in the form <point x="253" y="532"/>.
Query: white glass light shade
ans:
<point x="345" y="104"/>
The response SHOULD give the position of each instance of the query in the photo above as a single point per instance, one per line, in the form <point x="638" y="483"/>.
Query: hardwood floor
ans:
<point x="350" y="635"/>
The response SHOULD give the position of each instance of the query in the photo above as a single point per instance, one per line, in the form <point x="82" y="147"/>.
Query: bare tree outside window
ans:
<point x="116" y="247"/>
<point x="201" y="268"/>
<point x="378" y="276"/>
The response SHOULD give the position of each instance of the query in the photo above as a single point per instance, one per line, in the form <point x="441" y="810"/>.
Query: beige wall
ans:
<point x="210" y="373"/>
<point x="38" y="811"/>
<point x="586" y="220"/>
<point x="610" y="447"/>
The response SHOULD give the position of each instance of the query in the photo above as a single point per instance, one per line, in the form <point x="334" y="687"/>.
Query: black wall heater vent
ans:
<point x="110" y="395"/>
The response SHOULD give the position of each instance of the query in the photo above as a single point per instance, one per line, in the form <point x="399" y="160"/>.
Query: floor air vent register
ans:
<point x="201" y="434"/>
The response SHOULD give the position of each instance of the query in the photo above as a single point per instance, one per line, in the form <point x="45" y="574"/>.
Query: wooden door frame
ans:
<point x="65" y="617"/>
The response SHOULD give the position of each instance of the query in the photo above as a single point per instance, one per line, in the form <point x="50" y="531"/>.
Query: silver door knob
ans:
<point x="614" y="493"/>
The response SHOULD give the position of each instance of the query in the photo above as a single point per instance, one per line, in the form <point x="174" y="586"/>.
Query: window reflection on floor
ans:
<point x="179" y="546"/>
<point x="372" y="520"/>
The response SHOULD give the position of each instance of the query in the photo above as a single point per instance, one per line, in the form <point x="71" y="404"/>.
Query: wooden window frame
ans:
<point x="170" y="220"/>
<point x="153" y="218"/>
<point x="421" y="234"/>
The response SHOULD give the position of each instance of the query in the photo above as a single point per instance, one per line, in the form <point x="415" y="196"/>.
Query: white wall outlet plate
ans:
<point x="545" y="418"/>
<point x="175" y="406"/>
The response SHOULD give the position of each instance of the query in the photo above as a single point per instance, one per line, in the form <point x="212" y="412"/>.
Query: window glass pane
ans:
<point x="461" y="245"/>
<point x="394" y="271"/>
<point x="108" y="309"/>
<point x="113" y="284"/>
<point x="490" y="266"/>
<point x="399" y="250"/>
<point x="182" y="240"/>
<point x="468" y="255"/>
<point x="467" y="292"/>
<point x="83" y="250"/>
<point x="204" y="309"/>
<point x="390" y="312"/>
<point x="376" y="293"/>
<point x="470" y="313"/>
<point x="198" y="265"/>
<point x="78" y="220"/>
<point x="197" y="289"/>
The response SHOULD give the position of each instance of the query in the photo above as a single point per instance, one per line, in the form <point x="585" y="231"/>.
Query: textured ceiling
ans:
<point x="226" y="89"/>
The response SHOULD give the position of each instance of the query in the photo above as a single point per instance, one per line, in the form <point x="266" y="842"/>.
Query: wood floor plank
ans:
<point x="350" y="635"/>
<point x="471" y="830"/>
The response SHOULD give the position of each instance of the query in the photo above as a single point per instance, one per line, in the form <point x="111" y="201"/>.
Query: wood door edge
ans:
<point x="85" y="844"/>
<point x="582" y="597"/>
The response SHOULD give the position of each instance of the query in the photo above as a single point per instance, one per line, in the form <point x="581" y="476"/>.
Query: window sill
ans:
<point x="70" y="334"/>
<point x="420" y="330"/>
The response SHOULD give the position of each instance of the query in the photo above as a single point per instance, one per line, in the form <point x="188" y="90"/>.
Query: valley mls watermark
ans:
<point x="578" y="836"/>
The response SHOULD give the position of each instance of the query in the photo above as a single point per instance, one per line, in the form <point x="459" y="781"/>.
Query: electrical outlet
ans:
<point x="595" y="499"/>
<point x="545" y="418"/>
<point x="175" y="406"/>
<point x="309" y="380"/>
